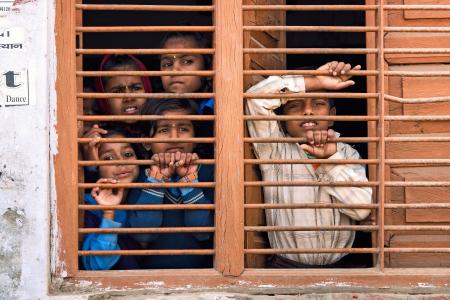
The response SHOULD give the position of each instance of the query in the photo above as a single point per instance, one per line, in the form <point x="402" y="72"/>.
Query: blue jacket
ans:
<point x="180" y="218"/>
<point x="98" y="241"/>
<point x="149" y="218"/>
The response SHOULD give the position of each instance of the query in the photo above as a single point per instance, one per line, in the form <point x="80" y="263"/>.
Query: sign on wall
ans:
<point x="12" y="39"/>
<point x="14" y="87"/>
<point x="5" y="6"/>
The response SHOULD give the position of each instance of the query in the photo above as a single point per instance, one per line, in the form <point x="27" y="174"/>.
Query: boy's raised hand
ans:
<point x="185" y="164"/>
<point x="91" y="150"/>
<point x="107" y="196"/>
<point x="338" y="77"/>
<point x="318" y="145"/>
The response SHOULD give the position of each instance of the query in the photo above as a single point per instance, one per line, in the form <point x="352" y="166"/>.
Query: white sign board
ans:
<point x="15" y="87"/>
<point x="12" y="39"/>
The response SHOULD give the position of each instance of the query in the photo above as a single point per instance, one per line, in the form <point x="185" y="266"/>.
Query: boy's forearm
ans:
<point x="312" y="84"/>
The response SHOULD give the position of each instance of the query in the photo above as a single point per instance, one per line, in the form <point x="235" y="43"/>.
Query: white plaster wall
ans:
<point x="24" y="159"/>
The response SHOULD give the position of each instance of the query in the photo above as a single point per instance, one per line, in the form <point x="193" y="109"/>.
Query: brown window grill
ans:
<point x="248" y="47"/>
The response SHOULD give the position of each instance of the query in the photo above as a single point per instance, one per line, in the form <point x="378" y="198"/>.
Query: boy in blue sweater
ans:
<point x="113" y="174"/>
<point x="176" y="162"/>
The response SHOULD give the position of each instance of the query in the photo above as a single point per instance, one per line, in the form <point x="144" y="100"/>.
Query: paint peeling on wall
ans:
<point x="12" y="223"/>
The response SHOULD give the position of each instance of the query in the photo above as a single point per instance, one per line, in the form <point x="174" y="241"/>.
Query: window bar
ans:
<point x="310" y="183"/>
<point x="313" y="50"/>
<point x="148" y="207"/>
<point x="312" y="28"/>
<point x="310" y="161"/>
<point x="314" y="228"/>
<point x="311" y="250"/>
<point x="318" y="118"/>
<point x="381" y="133"/>
<point x="142" y="73"/>
<point x="145" y="118"/>
<point x="144" y="28"/>
<point x="148" y="140"/>
<point x="307" y="72"/>
<point x="306" y="205"/>
<point x="306" y="95"/>
<point x="146" y="95"/>
<point x="309" y="7"/>
<point x="302" y="140"/>
<point x="144" y="51"/>
<point x="147" y="185"/>
<point x="133" y="162"/>
<point x="147" y="230"/>
<point x="124" y="7"/>
<point x="146" y="252"/>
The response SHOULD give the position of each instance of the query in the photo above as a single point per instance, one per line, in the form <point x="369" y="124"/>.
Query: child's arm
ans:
<point x="99" y="241"/>
<point x="187" y="169"/>
<point x="266" y="107"/>
<point x="347" y="173"/>
<point x="337" y="78"/>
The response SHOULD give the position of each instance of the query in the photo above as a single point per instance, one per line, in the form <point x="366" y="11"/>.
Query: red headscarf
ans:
<point x="99" y="83"/>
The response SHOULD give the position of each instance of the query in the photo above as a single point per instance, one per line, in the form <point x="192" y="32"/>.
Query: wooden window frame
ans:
<point x="229" y="271"/>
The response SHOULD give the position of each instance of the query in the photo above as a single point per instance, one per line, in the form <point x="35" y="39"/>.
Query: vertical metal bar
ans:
<point x="381" y="132"/>
<point x="229" y="137"/>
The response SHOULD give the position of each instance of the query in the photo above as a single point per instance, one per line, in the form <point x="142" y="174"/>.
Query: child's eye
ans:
<point x="108" y="157"/>
<point x="185" y="129"/>
<point x="166" y="64"/>
<point x="128" y="154"/>
<point x="137" y="88"/>
<point x="162" y="130"/>
<point x="320" y="103"/>
<point x="188" y="61"/>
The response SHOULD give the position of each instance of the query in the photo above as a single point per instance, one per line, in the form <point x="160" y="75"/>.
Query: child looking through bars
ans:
<point x="318" y="145"/>
<point x="176" y="162"/>
<point x="190" y="83"/>
<point x="114" y="174"/>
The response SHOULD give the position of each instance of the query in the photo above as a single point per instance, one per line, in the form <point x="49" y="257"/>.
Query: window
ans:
<point x="409" y="184"/>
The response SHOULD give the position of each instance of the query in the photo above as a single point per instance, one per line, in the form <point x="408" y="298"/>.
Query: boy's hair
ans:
<point x="202" y="41"/>
<point x="116" y="129"/>
<point x="161" y="106"/>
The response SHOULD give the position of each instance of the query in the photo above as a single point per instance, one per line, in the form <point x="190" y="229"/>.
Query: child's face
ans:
<point x="118" y="151"/>
<point x="169" y="129"/>
<point x="181" y="62"/>
<point x="125" y="84"/>
<point x="307" y="107"/>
